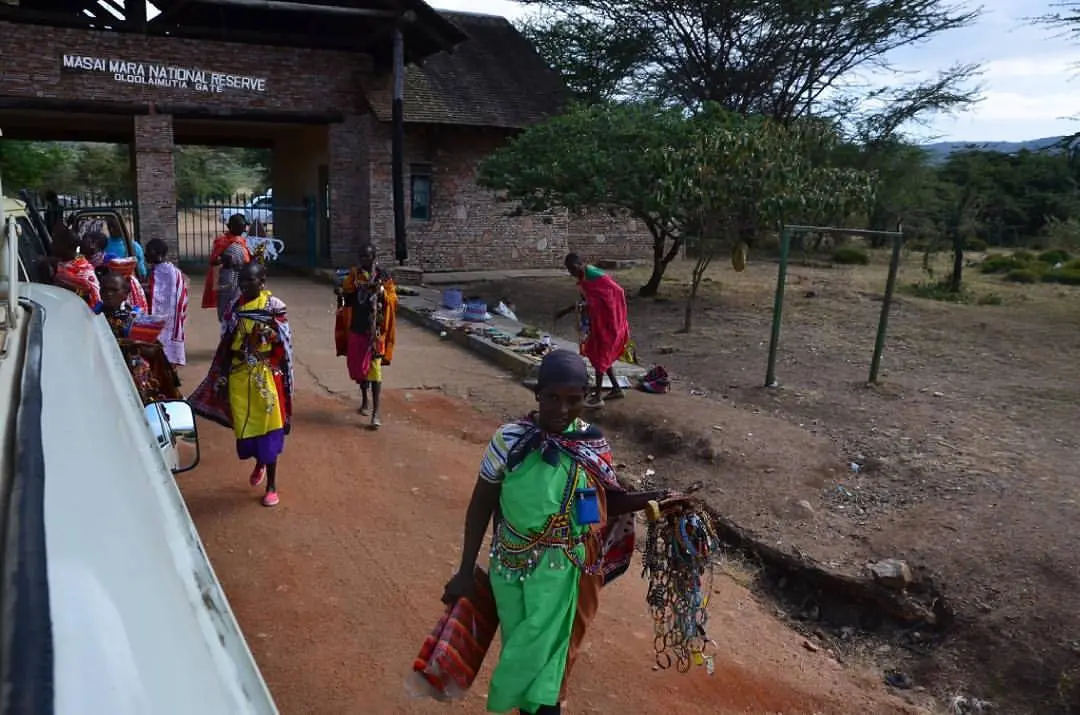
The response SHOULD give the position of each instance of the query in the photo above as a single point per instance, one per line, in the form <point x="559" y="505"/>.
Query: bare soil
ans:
<point x="336" y="588"/>
<point x="961" y="462"/>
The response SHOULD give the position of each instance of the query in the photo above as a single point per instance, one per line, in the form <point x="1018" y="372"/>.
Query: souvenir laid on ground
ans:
<point x="680" y="544"/>
<point x="505" y="311"/>
<point x="739" y="255"/>
<point x="656" y="381"/>
<point x="475" y="311"/>
<point x="454" y="651"/>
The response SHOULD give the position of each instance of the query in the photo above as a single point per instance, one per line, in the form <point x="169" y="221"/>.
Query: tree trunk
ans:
<point x="660" y="262"/>
<point x="956" y="280"/>
<point x="652" y="286"/>
<point x="695" y="280"/>
<point x="688" y="315"/>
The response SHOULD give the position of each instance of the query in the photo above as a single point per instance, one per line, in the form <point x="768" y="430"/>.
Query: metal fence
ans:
<point x="200" y="220"/>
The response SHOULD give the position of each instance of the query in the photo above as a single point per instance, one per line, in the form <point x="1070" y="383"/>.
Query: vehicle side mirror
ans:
<point x="172" y="422"/>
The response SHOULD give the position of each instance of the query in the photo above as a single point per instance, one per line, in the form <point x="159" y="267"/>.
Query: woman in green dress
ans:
<point x="563" y="528"/>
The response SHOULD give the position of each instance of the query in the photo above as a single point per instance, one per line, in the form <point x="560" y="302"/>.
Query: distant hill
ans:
<point x="939" y="150"/>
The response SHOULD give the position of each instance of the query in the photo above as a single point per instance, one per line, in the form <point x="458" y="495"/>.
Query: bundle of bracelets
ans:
<point x="680" y="544"/>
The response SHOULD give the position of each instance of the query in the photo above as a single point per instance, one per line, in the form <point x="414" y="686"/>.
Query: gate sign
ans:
<point x="157" y="75"/>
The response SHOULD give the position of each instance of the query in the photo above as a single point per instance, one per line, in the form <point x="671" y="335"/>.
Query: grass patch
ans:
<point x="850" y="256"/>
<point x="941" y="292"/>
<point x="936" y="291"/>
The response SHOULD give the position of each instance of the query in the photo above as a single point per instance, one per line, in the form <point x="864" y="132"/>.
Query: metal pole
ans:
<point x="397" y="150"/>
<point x="778" y="306"/>
<point x="886" y="303"/>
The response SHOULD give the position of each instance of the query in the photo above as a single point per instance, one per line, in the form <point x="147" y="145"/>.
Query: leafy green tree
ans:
<point x="602" y="157"/>
<point x="737" y="173"/>
<point x="30" y="165"/>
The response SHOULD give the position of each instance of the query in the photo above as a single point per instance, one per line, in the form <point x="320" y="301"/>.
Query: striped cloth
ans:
<point x="454" y="650"/>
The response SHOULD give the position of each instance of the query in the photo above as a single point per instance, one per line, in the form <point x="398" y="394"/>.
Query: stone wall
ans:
<point x="471" y="227"/>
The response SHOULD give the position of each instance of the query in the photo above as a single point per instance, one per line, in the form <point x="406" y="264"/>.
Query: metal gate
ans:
<point x="199" y="221"/>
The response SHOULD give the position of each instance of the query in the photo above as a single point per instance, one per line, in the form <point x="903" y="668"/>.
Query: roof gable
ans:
<point x="496" y="78"/>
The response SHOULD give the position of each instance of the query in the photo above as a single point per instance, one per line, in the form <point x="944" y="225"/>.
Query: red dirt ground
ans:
<point x="336" y="588"/>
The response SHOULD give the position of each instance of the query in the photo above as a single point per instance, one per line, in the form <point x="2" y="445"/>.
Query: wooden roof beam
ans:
<point x="287" y="6"/>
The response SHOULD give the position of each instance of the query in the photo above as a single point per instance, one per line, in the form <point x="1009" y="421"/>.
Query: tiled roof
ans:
<point x="493" y="79"/>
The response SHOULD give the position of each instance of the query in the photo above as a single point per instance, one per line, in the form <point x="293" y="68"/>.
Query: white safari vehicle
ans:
<point x="109" y="603"/>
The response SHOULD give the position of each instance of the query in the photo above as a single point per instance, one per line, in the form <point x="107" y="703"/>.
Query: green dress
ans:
<point x="536" y="590"/>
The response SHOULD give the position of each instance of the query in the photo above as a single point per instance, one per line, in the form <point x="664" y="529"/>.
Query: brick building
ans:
<point x="313" y="82"/>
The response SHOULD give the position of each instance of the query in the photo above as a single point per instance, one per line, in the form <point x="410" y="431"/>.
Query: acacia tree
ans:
<point x="777" y="58"/>
<point x="737" y="174"/>
<point x="601" y="157"/>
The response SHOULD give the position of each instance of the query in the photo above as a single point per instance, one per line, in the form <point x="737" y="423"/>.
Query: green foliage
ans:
<point x="1063" y="275"/>
<point x="1022" y="275"/>
<point x="104" y="170"/>
<point x="601" y="157"/>
<point x="1054" y="256"/>
<point x="851" y="256"/>
<point x="942" y="291"/>
<point x="774" y="59"/>
<point x="936" y="290"/>
<point x="1001" y="263"/>
<point x="737" y="175"/>
<point x="975" y="244"/>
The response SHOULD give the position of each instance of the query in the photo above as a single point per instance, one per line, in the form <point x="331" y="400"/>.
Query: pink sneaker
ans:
<point x="271" y="499"/>
<point x="257" y="475"/>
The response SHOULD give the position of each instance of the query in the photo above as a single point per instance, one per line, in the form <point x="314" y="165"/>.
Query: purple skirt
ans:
<point x="264" y="449"/>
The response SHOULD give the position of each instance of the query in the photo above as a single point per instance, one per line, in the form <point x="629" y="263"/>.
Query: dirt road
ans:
<point x="336" y="588"/>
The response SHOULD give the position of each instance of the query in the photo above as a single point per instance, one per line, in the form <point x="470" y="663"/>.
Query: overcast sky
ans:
<point x="1030" y="85"/>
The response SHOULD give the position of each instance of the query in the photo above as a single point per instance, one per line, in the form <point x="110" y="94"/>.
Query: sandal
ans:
<point x="376" y="423"/>
<point x="615" y="394"/>
<point x="593" y="402"/>
<point x="258" y="475"/>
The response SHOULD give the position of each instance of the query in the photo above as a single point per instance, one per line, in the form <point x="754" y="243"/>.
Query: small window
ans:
<point x="420" y="189"/>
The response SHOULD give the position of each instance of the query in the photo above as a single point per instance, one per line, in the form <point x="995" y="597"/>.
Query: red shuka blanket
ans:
<point x="609" y="328"/>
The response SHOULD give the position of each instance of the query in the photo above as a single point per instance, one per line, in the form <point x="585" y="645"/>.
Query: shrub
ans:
<point x="1054" y="257"/>
<point x="1073" y="265"/>
<point x="936" y="291"/>
<point x="850" y="256"/>
<point x="1000" y="263"/>
<point x="1063" y="275"/>
<point x="990" y="299"/>
<point x="1022" y="275"/>
<point x="975" y="244"/>
<point x="1025" y="256"/>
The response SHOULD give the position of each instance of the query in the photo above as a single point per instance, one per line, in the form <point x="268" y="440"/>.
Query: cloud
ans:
<point x="1034" y="108"/>
<point x="1057" y="66"/>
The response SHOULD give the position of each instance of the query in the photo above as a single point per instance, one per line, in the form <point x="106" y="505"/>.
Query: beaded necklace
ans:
<point x="515" y="555"/>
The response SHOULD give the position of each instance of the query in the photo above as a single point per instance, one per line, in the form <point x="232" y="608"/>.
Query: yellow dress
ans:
<point x="255" y="384"/>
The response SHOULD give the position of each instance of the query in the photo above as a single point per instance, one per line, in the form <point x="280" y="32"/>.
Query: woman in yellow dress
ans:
<point x="249" y="387"/>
